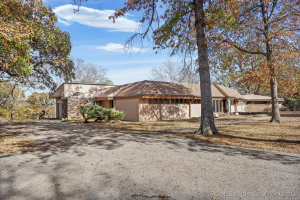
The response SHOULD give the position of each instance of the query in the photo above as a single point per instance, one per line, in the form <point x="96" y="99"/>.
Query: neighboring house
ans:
<point x="258" y="103"/>
<point x="145" y="100"/>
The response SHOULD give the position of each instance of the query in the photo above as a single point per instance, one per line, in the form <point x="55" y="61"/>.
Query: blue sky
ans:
<point x="96" y="39"/>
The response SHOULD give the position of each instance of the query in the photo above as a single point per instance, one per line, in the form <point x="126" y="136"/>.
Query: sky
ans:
<point x="96" y="39"/>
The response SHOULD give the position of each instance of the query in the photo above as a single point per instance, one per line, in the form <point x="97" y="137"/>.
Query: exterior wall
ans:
<point x="104" y="103"/>
<point x="84" y="91"/>
<point x="73" y="108"/>
<point x="233" y="108"/>
<point x="157" y="112"/>
<point x="130" y="107"/>
<point x="195" y="110"/>
<point x="257" y="107"/>
<point x="241" y="107"/>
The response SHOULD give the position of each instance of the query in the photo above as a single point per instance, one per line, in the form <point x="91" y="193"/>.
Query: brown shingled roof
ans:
<point x="158" y="88"/>
<point x="254" y="97"/>
<point x="229" y="92"/>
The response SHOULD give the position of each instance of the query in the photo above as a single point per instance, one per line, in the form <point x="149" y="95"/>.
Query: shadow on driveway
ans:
<point x="56" y="137"/>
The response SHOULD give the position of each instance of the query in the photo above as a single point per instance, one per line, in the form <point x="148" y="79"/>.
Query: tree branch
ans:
<point x="273" y="8"/>
<point x="151" y="20"/>
<point x="247" y="51"/>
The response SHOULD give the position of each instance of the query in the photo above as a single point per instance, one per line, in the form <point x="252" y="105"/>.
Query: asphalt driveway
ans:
<point x="84" y="162"/>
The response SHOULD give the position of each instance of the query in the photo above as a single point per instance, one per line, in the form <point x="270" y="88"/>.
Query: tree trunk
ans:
<point x="275" y="103"/>
<point x="207" y="126"/>
<point x="269" y="57"/>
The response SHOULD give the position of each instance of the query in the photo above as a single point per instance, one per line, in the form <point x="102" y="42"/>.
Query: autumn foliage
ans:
<point x="32" y="47"/>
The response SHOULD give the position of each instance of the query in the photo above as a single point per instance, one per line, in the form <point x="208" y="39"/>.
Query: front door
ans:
<point x="58" y="110"/>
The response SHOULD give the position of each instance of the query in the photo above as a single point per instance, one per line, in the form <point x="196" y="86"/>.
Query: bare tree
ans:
<point x="90" y="73"/>
<point x="173" y="72"/>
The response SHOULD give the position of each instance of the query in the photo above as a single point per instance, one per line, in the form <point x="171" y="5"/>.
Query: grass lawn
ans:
<point x="159" y="126"/>
<point x="259" y="134"/>
<point x="262" y="135"/>
<point x="10" y="143"/>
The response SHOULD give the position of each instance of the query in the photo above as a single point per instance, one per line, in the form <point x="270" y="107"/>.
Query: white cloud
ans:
<point x="114" y="47"/>
<point x="129" y="75"/>
<point x="64" y="22"/>
<point x="95" y="18"/>
<point x="130" y="62"/>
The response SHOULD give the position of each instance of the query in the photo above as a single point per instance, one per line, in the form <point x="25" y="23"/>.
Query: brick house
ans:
<point x="145" y="100"/>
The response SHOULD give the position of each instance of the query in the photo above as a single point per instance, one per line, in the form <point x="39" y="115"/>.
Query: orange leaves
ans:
<point x="28" y="26"/>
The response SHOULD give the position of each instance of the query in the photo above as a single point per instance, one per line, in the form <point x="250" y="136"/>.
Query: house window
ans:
<point x="166" y="101"/>
<point x="150" y="101"/>
<point x="161" y="101"/>
<point x="257" y="102"/>
<point x="185" y="101"/>
<point x="172" y="101"/>
<point x="181" y="100"/>
<point x="176" y="100"/>
<point x="221" y="106"/>
<point x="155" y="101"/>
<point x="217" y="106"/>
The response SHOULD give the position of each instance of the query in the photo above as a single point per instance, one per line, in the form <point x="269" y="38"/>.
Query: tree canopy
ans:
<point x="267" y="34"/>
<point x="32" y="47"/>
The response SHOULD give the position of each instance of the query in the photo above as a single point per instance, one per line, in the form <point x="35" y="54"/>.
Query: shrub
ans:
<point x="293" y="104"/>
<point x="268" y="109"/>
<point x="100" y="113"/>
<point x="113" y="114"/>
<point x="92" y="111"/>
<point x="25" y="114"/>
<point x="284" y="108"/>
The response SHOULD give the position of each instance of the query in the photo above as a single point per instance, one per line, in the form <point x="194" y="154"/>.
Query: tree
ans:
<point x="90" y="73"/>
<point x="10" y="97"/>
<point x="172" y="72"/>
<point x="241" y="71"/>
<point x="39" y="99"/>
<point x="266" y="30"/>
<point x="181" y="26"/>
<point x="32" y="47"/>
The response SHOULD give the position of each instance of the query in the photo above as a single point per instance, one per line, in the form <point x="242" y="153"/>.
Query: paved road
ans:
<point x="83" y="162"/>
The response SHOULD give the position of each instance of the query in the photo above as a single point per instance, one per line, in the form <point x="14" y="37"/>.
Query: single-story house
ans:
<point x="258" y="103"/>
<point x="145" y="100"/>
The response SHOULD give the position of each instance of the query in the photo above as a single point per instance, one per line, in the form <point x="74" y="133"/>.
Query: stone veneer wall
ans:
<point x="74" y="107"/>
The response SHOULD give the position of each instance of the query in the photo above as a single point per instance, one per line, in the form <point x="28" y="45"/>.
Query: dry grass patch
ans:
<point x="261" y="134"/>
<point x="141" y="127"/>
<point x="158" y="126"/>
<point x="10" y="143"/>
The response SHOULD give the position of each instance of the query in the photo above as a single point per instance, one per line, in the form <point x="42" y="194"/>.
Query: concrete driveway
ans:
<point x="84" y="162"/>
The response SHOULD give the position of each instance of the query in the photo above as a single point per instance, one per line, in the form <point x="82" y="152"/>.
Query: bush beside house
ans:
<point x="100" y="113"/>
